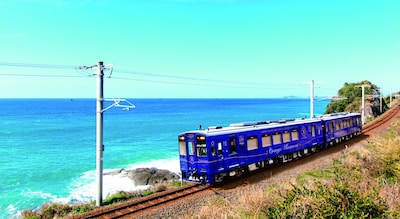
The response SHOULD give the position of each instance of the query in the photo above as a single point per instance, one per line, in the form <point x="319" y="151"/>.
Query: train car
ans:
<point x="340" y="127"/>
<point x="212" y="154"/>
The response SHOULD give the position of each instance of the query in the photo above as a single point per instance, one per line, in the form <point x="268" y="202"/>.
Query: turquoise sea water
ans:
<point x="47" y="147"/>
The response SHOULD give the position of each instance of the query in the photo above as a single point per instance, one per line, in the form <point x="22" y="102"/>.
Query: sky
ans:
<point x="197" y="48"/>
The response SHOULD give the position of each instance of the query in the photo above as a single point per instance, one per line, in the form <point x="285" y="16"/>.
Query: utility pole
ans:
<point x="312" y="99"/>
<point x="362" y="105"/>
<point x="380" y="99"/>
<point x="99" y="133"/>
<point x="99" y="124"/>
<point x="390" y="104"/>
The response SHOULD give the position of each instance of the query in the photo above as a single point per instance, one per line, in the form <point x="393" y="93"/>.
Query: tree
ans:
<point x="349" y="97"/>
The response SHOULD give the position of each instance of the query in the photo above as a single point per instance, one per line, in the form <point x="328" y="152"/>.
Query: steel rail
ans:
<point x="131" y="207"/>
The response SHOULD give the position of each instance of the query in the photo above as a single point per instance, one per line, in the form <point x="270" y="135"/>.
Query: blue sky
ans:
<point x="197" y="48"/>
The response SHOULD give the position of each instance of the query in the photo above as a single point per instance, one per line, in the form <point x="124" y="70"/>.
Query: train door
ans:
<point x="227" y="153"/>
<point x="183" y="156"/>
<point x="220" y="152"/>
<point x="187" y="155"/>
<point x="192" y="159"/>
<point x="230" y="153"/>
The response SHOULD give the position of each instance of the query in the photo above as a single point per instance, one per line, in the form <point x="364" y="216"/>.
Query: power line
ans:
<point x="30" y="65"/>
<point x="38" y="75"/>
<point x="185" y="77"/>
<point x="152" y="77"/>
<point x="205" y="85"/>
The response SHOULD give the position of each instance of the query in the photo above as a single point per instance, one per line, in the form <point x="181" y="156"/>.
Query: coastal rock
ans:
<point x="151" y="176"/>
<point x="116" y="172"/>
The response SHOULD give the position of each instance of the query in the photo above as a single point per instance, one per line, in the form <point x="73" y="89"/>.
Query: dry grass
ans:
<point x="248" y="203"/>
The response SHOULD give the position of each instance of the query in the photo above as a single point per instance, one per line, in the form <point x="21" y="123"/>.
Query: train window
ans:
<point x="252" y="143"/>
<point x="266" y="140"/>
<point x="277" y="138"/>
<point x="286" y="136"/>
<point x="331" y="125"/>
<point x="295" y="135"/>
<point x="191" y="148"/>
<point x="213" y="152"/>
<point x="182" y="148"/>
<point x="232" y="146"/>
<point x="351" y="122"/>
<point x="313" y="130"/>
<point x="219" y="148"/>
<point x="337" y="126"/>
<point x="201" y="150"/>
<point x="200" y="139"/>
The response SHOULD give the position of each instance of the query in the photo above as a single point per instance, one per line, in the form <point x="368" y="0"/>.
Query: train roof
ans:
<point x="269" y="124"/>
<point x="338" y="115"/>
<point x="246" y="126"/>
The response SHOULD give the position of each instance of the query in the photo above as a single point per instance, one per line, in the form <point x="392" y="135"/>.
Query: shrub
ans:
<point x="117" y="197"/>
<point x="338" y="199"/>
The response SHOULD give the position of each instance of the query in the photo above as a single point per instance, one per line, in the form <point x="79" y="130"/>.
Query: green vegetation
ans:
<point x="57" y="210"/>
<point x="117" y="197"/>
<point x="52" y="210"/>
<point x="349" y="97"/>
<point x="363" y="183"/>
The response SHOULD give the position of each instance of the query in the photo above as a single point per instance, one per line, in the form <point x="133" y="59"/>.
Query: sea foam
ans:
<point x="83" y="189"/>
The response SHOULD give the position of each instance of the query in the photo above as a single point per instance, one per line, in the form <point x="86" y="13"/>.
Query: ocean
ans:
<point x="48" y="146"/>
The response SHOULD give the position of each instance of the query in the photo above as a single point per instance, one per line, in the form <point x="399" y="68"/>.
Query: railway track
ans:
<point x="129" y="208"/>
<point x="388" y="116"/>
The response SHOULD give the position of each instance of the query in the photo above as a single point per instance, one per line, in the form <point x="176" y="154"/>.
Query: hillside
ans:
<point x="349" y="99"/>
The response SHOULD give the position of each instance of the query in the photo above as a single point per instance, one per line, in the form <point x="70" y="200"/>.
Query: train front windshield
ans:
<point x="192" y="145"/>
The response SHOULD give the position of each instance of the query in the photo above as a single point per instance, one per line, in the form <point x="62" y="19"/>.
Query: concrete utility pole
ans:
<point x="99" y="124"/>
<point x="362" y="105"/>
<point x="99" y="133"/>
<point x="380" y="100"/>
<point x="312" y="99"/>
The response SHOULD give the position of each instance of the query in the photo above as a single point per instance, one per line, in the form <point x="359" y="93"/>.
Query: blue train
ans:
<point x="213" y="154"/>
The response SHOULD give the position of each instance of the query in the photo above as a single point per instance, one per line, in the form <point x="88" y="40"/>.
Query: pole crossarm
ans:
<point x="117" y="103"/>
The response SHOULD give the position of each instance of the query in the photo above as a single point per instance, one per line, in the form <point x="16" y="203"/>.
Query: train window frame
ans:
<point x="295" y="134"/>
<point x="286" y="136"/>
<point x="276" y="138"/>
<point x="220" y="148"/>
<point x="213" y="151"/>
<point x="252" y="143"/>
<point x="182" y="148"/>
<point x="232" y="146"/>
<point x="313" y="130"/>
<point x="266" y="140"/>
<point x="201" y="150"/>
<point x="191" y="148"/>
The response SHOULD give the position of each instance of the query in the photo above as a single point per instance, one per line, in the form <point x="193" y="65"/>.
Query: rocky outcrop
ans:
<point x="151" y="176"/>
<point x="147" y="176"/>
